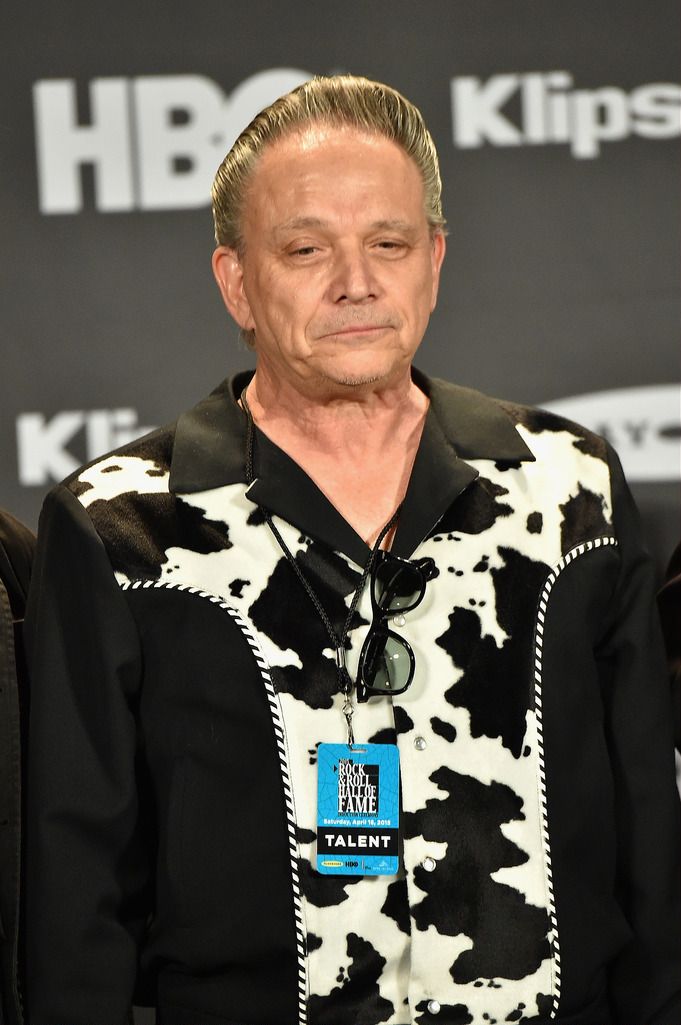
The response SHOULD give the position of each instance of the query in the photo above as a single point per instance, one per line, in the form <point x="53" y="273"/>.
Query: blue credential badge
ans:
<point x="358" y="807"/>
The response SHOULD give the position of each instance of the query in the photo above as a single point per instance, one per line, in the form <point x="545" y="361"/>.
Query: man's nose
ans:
<point x="353" y="279"/>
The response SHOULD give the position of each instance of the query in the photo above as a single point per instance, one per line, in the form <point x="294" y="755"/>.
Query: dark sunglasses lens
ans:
<point x="398" y="586"/>
<point x="388" y="664"/>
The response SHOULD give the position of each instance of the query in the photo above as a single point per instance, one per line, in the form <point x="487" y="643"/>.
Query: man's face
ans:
<point x="339" y="272"/>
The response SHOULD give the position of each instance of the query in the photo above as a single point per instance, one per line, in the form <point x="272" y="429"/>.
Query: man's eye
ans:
<point x="390" y="244"/>
<point x="304" y="251"/>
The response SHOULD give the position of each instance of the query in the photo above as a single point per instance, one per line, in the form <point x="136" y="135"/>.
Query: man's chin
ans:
<point x="359" y="376"/>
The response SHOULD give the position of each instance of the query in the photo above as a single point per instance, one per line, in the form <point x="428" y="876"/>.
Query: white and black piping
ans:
<point x="570" y="556"/>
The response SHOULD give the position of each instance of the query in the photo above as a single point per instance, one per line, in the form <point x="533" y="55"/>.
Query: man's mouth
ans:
<point x="352" y="330"/>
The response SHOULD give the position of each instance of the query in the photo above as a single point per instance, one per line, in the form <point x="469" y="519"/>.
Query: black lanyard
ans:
<point x="338" y="643"/>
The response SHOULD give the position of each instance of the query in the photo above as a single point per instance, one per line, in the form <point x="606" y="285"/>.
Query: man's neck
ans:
<point x="352" y="419"/>
<point x="358" y="448"/>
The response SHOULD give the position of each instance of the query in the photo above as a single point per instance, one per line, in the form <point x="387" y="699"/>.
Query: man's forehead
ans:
<point x="338" y="146"/>
<point x="316" y="158"/>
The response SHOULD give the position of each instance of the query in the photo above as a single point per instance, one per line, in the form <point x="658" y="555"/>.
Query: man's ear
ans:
<point x="437" y="255"/>
<point x="229" y="275"/>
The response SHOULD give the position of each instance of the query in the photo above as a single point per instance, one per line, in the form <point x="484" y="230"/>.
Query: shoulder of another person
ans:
<point x="17" y="547"/>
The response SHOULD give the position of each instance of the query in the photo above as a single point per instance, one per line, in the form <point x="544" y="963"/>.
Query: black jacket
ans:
<point x="182" y="681"/>
<point x="16" y="552"/>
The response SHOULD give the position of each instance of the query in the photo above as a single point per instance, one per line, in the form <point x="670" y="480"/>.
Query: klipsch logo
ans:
<point x="50" y="449"/>
<point x="154" y="142"/>
<point x="643" y="424"/>
<point x="539" y="108"/>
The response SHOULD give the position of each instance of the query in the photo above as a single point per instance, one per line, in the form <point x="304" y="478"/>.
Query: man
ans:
<point x="218" y="616"/>
<point x="16" y="553"/>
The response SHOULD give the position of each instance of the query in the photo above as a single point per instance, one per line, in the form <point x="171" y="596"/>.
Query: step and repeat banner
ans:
<point x="558" y="131"/>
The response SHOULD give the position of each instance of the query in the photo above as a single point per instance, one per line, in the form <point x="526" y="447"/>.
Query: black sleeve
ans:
<point x="669" y="604"/>
<point x="644" y="981"/>
<point x="17" y="546"/>
<point x="16" y="552"/>
<point x="87" y="867"/>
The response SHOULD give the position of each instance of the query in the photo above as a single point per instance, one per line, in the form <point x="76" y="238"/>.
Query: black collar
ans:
<point x="461" y="424"/>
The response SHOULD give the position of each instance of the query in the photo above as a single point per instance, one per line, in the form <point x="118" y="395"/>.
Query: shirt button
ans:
<point x="430" y="865"/>
<point x="420" y="743"/>
<point x="433" y="1007"/>
<point x="399" y="620"/>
